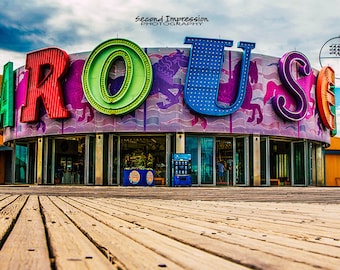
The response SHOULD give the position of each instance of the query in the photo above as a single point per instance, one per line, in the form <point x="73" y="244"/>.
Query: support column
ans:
<point x="180" y="143"/>
<point x="257" y="160"/>
<point x="320" y="166"/>
<point x="99" y="159"/>
<point x="40" y="154"/>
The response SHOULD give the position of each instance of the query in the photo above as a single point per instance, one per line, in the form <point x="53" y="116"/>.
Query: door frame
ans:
<point x="306" y="159"/>
<point x="246" y="160"/>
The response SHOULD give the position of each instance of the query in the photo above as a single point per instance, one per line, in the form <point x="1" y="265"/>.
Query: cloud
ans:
<point x="75" y="26"/>
<point x="22" y="26"/>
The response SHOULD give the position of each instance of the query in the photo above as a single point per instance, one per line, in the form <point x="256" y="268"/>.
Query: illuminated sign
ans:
<point x="6" y="98"/>
<point x="46" y="68"/>
<point x="204" y="72"/>
<point x="137" y="82"/>
<point x="291" y="84"/>
<point x="326" y="98"/>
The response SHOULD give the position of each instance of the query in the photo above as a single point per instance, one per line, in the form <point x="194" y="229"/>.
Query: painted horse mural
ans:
<point x="74" y="94"/>
<point x="228" y="91"/>
<point x="164" y="72"/>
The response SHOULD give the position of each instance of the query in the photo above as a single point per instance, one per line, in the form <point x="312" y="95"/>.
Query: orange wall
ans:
<point x="335" y="144"/>
<point x="333" y="163"/>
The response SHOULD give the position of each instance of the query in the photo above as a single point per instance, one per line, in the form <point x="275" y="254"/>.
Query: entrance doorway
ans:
<point x="69" y="160"/>
<point x="280" y="157"/>
<point x="224" y="161"/>
<point x="202" y="159"/>
<point x="290" y="163"/>
<point x="232" y="161"/>
<point x="25" y="163"/>
<point x="144" y="153"/>
<point x="300" y="163"/>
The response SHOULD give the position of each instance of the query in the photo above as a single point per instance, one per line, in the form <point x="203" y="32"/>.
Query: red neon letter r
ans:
<point x="46" y="68"/>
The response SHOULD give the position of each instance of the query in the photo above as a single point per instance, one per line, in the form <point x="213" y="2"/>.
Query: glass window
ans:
<point x="224" y="161"/>
<point x="240" y="162"/>
<point x="191" y="147"/>
<point x="280" y="162"/>
<point x="21" y="152"/>
<point x="69" y="160"/>
<point x="299" y="163"/>
<point x="147" y="152"/>
<point x="207" y="162"/>
<point x="264" y="160"/>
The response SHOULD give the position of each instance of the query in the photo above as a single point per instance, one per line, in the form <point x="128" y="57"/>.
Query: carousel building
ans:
<point x="201" y="115"/>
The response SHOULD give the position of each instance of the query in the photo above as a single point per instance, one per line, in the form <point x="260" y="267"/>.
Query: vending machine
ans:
<point x="181" y="169"/>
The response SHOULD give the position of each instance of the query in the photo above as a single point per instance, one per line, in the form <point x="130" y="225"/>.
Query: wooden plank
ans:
<point x="297" y="224"/>
<point x="326" y="232"/>
<point x="70" y="248"/>
<point x="26" y="246"/>
<point x="7" y="199"/>
<point x="150" y="249"/>
<point x="222" y="232"/>
<point x="9" y="214"/>
<point x="183" y="233"/>
<point x="120" y="247"/>
<point x="3" y="196"/>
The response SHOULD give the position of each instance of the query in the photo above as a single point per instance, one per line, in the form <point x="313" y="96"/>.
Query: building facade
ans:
<point x="89" y="118"/>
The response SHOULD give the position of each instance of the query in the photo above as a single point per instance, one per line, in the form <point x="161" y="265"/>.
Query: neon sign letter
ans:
<point x="204" y="72"/>
<point x="46" y="68"/>
<point x="137" y="82"/>
<point x="285" y="74"/>
<point x="6" y="98"/>
<point x="325" y="97"/>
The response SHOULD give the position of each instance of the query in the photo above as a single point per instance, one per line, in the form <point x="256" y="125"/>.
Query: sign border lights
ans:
<point x="204" y="72"/>
<point x="137" y="82"/>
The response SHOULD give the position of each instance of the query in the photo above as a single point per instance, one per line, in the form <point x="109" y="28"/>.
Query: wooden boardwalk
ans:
<point x="169" y="228"/>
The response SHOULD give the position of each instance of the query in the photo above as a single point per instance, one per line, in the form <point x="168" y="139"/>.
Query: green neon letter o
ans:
<point x="137" y="82"/>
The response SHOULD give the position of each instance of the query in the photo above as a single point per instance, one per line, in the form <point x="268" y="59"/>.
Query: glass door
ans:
<point x="21" y="163"/>
<point x="299" y="160"/>
<point x="224" y="161"/>
<point x="191" y="147"/>
<point x="207" y="160"/>
<point x="90" y="157"/>
<point x="202" y="159"/>
<point x="241" y="158"/>
<point x="265" y="161"/>
<point x="113" y="159"/>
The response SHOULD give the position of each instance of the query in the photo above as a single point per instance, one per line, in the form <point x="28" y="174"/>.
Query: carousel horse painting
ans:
<point x="228" y="91"/>
<point x="73" y="90"/>
<point x="164" y="71"/>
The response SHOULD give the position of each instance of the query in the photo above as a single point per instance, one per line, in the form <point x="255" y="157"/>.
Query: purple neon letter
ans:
<point x="286" y="77"/>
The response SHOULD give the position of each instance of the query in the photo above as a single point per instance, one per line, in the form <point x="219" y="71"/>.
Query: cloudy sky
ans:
<point x="75" y="26"/>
